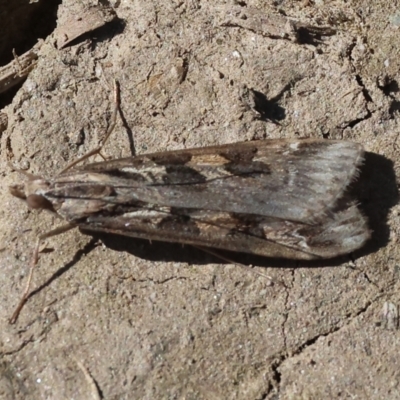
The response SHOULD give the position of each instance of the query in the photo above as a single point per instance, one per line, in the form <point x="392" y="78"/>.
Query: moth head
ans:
<point x="32" y="192"/>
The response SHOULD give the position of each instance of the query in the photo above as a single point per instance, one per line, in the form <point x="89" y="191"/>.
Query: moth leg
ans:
<point x="34" y="261"/>
<point x="110" y="129"/>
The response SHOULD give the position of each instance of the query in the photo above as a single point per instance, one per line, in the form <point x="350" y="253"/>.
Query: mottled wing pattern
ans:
<point x="274" y="198"/>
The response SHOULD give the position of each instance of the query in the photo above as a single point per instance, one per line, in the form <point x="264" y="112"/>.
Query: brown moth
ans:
<point x="274" y="198"/>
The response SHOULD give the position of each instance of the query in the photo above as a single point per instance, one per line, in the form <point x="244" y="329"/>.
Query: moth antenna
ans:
<point x="110" y="129"/>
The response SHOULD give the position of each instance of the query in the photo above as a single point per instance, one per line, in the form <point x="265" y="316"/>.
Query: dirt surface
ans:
<point x="117" y="318"/>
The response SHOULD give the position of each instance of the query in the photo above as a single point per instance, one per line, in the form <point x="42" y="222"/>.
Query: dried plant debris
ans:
<point x="18" y="69"/>
<point x="273" y="26"/>
<point x="80" y="18"/>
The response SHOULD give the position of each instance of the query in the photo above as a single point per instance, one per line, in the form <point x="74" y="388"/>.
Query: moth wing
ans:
<point x="274" y="198"/>
<point x="338" y="234"/>
<point x="298" y="180"/>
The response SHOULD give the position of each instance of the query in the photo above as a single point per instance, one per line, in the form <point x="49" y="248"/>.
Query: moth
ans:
<point x="274" y="198"/>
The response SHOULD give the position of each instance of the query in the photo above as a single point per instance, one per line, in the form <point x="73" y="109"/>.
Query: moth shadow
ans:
<point x="158" y="251"/>
<point x="376" y="191"/>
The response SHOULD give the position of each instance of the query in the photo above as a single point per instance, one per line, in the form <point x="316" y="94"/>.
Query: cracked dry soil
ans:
<point x="117" y="318"/>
